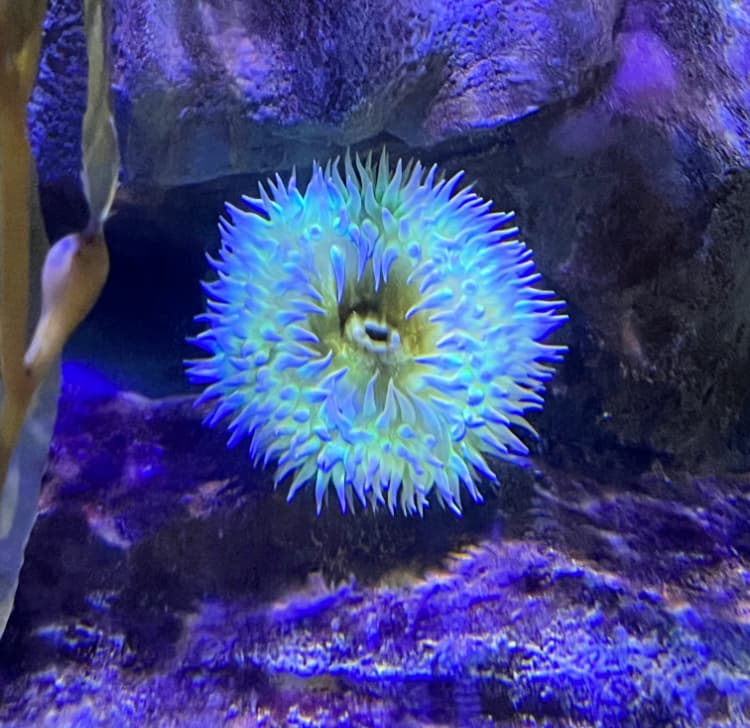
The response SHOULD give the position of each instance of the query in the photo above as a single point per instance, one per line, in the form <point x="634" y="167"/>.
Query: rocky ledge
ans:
<point x="166" y="583"/>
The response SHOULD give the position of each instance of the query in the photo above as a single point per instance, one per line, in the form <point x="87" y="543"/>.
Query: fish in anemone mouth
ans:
<point x="377" y="334"/>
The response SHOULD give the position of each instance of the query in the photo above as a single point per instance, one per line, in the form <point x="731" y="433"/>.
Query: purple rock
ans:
<point x="194" y="594"/>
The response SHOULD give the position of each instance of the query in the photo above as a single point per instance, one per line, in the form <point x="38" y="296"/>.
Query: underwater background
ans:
<point x="152" y="576"/>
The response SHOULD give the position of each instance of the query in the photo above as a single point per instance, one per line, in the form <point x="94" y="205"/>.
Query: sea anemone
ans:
<point x="378" y="332"/>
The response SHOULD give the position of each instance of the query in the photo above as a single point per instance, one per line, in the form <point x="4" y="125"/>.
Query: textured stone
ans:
<point x="636" y="209"/>
<point x="59" y="98"/>
<point x="658" y="337"/>
<point x="621" y="178"/>
<point x="164" y="585"/>
<point x="226" y="87"/>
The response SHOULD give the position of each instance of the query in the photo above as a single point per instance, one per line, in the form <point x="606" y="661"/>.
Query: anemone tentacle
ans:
<point x="378" y="334"/>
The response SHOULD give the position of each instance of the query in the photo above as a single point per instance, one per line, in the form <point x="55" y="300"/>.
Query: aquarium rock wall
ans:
<point x="618" y="131"/>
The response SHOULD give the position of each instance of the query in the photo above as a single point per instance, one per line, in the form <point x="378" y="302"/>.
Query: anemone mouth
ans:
<point x="368" y="330"/>
<point x="377" y="335"/>
<point x="373" y="335"/>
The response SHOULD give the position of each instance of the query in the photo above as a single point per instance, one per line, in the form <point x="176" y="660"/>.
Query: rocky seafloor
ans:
<point x="167" y="584"/>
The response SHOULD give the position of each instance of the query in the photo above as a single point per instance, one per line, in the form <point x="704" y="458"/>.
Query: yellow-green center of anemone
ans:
<point x="377" y="335"/>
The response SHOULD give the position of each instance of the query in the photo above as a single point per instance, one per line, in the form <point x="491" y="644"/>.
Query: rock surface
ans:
<point x="165" y="585"/>
<point x="225" y="87"/>
<point x="630" y="179"/>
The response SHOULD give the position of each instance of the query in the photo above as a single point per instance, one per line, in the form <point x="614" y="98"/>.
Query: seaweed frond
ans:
<point x="76" y="267"/>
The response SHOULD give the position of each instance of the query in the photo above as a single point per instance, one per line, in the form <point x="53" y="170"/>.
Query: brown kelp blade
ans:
<point x="20" y="41"/>
<point x="101" y="156"/>
<point x="77" y="266"/>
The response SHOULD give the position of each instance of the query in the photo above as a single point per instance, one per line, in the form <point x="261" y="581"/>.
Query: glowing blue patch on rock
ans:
<point x="378" y="334"/>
